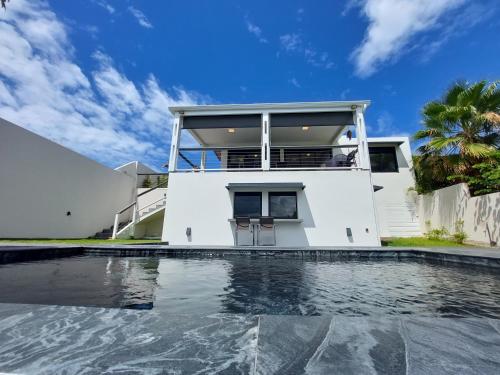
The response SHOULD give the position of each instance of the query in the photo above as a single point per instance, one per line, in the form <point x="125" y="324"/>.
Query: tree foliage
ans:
<point x="461" y="139"/>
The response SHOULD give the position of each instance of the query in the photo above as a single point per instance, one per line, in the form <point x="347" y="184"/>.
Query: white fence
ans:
<point x="444" y="207"/>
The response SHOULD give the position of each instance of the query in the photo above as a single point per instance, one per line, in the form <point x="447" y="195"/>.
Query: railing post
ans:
<point x="361" y="138"/>
<point x="203" y="160"/>
<point x="266" y="146"/>
<point x="134" y="213"/>
<point x="174" y="147"/>
<point x="115" y="226"/>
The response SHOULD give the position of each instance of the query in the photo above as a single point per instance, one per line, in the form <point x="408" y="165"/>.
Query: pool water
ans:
<point x="257" y="285"/>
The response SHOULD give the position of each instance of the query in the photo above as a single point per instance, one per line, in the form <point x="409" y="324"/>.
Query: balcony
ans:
<point x="234" y="140"/>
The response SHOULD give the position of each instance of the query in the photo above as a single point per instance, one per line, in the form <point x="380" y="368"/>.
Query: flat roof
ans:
<point x="265" y="185"/>
<point x="294" y="106"/>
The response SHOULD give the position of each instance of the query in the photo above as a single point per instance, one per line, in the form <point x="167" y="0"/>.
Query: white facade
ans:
<point x="49" y="191"/>
<point x="329" y="203"/>
<point x="335" y="203"/>
<point x="397" y="214"/>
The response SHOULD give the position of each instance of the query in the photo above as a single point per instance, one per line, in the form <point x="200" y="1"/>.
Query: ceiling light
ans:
<point x="231" y="130"/>
<point x="305" y="128"/>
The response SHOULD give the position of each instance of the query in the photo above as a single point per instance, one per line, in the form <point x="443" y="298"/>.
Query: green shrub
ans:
<point x="459" y="236"/>
<point x="146" y="183"/>
<point x="437" y="234"/>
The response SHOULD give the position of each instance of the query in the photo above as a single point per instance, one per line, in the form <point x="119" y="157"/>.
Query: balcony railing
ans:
<point x="219" y="158"/>
<point x="196" y="159"/>
<point x="316" y="157"/>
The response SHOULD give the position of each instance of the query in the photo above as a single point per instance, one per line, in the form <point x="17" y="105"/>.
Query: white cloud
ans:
<point x="103" y="115"/>
<point x="392" y="27"/>
<point x="105" y="5"/>
<point x="293" y="43"/>
<point x="344" y="94"/>
<point x="140" y="17"/>
<point x="256" y="30"/>
<point x="294" y="82"/>
<point x="385" y="126"/>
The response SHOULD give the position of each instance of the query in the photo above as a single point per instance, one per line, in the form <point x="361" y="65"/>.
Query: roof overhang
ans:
<point x="200" y="110"/>
<point x="281" y="186"/>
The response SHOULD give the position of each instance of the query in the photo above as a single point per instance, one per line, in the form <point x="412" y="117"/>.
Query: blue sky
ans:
<point x="97" y="76"/>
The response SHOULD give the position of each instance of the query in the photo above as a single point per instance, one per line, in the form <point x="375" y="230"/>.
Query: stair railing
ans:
<point x="134" y="212"/>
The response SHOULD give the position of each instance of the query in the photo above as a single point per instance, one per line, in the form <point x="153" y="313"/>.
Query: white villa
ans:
<point x="292" y="174"/>
<point x="287" y="174"/>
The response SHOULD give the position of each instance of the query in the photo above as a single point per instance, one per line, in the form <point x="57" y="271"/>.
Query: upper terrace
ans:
<point x="283" y="136"/>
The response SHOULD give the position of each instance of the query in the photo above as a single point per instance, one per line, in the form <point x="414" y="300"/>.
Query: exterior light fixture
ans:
<point x="354" y="107"/>
<point x="305" y="128"/>
<point x="231" y="130"/>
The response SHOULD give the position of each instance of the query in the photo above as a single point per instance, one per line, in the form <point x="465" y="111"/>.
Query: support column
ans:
<point x="266" y="146"/>
<point x="364" y="157"/>
<point x="174" y="146"/>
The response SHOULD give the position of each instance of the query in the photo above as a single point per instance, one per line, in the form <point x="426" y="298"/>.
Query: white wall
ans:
<point x="41" y="181"/>
<point x="150" y="199"/>
<point x="444" y="207"/>
<point x="133" y="168"/>
<point x="396" y="206"/>
<point x="330" y="202"/>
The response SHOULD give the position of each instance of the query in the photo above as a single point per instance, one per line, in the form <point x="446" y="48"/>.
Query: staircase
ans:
<point x="134" y="215"/>
<point x="106" y="234"/>
<point x="402" y="219"/>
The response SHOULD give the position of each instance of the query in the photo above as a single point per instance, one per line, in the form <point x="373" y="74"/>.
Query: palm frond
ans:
<point x="477" y="150"/>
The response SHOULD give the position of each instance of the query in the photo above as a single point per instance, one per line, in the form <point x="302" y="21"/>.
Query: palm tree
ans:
<point x="462" y="129"/>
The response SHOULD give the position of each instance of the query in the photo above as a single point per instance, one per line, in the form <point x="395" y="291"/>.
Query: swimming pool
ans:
<point x="257" y="285"/>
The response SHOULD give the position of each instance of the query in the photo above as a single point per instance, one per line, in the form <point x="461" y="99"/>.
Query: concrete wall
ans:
<point x="444" y="207"/>
<point x="41" y="181"/>
<point x="330" y="202"/>
<point x="133" y="168"/>
<point x="150" y="199"/>
<point x="396" y="206"/>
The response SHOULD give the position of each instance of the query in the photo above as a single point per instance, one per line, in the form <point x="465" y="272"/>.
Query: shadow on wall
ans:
<point x="487" y="216"/>
<point x="481" y="215"/>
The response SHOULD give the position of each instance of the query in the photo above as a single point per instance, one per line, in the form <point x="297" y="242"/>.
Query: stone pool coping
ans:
<point x="477" y="256"/>
<point x="49" y="339"/>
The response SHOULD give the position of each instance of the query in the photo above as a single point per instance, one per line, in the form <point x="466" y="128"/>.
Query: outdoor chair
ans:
<point x="348" y="160"/>
<point x="267" y="231"/>
<point x="244" y="232"/>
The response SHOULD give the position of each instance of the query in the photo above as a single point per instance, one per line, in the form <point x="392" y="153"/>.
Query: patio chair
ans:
<point x="348" y="160"/>
<point x="244" y="232"/>
<point x="267" y="231"/>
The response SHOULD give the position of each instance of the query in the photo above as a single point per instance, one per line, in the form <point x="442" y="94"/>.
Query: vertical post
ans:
<point x="362" y="139"/>
<point x="174" y="146"/>
<point x="266" y="145"/>
<point x="115" y="226"/>
<point x="203" y="160"/>
<point x="134" y="213"/>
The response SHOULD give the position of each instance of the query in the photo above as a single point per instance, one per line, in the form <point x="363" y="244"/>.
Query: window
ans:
<point x="283" y="205"/>
<point x="383" y="159"/>
<point x="247" y="204"/>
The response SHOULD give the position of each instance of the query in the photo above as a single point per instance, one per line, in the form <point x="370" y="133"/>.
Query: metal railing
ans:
<point x="315" y="157"/>
<point x="201" y="159"/>
<point x="120" y="225"/>
<point x="197" y="159"/>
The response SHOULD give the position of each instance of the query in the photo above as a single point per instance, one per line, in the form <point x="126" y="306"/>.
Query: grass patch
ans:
<point x="75" y="241"/>
<point x="420" y="242"/>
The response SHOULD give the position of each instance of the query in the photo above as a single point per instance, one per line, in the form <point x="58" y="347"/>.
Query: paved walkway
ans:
<point x="69" y="340"/>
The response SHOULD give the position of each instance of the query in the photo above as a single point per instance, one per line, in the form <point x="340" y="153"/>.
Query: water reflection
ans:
<point x="256" y="285"/>
<point x="81" y="281"/>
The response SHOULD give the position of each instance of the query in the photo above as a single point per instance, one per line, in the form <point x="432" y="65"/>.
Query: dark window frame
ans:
<point x="283" y="193"/>
<point x="247" y="193"/>
<point x="384" y="150"/>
